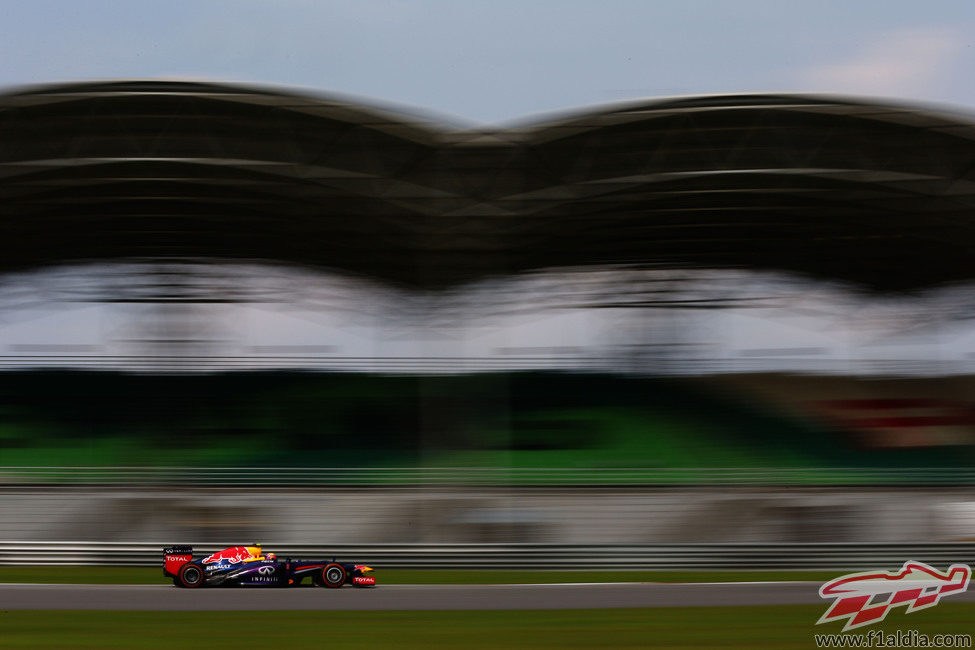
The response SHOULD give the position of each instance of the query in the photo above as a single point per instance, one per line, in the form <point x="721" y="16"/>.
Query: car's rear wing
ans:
<point x="174" y="558"/>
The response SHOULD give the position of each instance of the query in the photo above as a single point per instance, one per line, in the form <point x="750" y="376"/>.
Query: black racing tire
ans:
<point x="190" y="576"/>
<point x="333" y="576"/>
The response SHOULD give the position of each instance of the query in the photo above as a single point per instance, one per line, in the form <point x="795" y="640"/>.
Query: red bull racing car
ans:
<point x="249" y="566"/>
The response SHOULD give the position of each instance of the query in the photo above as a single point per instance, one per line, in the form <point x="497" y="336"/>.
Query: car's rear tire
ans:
<point x="333" y="576"/>
<point x="190" y="576"/>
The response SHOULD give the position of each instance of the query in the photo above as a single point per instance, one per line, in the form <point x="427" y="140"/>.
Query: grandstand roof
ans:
<point x="876" y="194"/>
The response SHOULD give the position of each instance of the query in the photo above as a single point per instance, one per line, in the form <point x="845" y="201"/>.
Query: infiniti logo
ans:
<point x="264" y="570"/>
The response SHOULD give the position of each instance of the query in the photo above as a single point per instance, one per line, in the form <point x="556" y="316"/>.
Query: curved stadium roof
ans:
<point x="875" y="194"/>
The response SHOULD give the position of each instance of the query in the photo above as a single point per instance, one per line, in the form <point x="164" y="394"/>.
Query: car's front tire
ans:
<point x="333" y="576"/>
<point x="190" y="576"/>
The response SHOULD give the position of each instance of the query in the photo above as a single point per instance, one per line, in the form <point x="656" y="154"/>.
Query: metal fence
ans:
<point x="363" y="476"/>
<point x="527" y="556"/>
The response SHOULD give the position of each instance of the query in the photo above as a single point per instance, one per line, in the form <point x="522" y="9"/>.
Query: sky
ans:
<point x="498" y="61"/>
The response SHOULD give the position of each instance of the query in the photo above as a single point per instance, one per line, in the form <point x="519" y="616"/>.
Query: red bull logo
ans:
<point x="866" y="598"/>
<point x="234" y="554"/>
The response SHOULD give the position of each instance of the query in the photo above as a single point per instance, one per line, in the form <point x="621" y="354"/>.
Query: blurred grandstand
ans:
<point x="740" y="318"/>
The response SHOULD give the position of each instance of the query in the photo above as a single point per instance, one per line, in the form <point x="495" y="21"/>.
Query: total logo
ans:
<point x="364" y="580"/>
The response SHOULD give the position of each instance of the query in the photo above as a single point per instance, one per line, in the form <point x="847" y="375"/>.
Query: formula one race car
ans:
<point x="250" y="566"/>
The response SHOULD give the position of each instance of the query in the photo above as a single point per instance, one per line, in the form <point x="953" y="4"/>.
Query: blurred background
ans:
<point x="232" y="311"/>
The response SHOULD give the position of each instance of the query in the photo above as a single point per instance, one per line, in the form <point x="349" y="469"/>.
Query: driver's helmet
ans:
<point x="270" y="556"/>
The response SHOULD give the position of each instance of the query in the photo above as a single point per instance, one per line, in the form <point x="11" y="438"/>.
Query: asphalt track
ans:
<point x="412" y="597"/>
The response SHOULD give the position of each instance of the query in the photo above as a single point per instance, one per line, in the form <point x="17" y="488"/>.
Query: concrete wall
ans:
<point x="438" y="515"/>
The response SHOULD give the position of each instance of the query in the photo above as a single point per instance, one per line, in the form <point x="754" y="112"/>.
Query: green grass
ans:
<point x="780" y="627"/>
<point x="83" y="575"/>
<point x="146" y="575"/>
